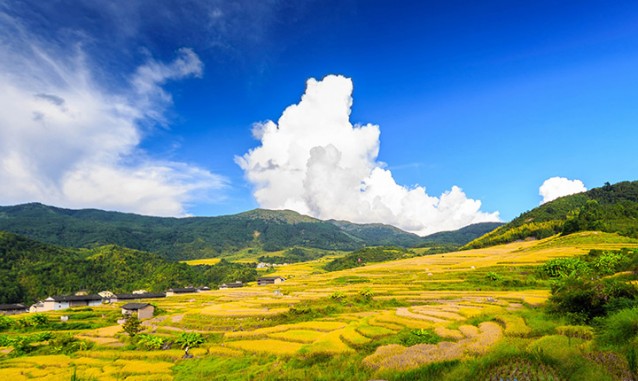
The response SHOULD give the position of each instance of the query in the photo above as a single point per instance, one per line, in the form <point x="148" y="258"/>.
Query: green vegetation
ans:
<point x="471" y="315"/>
<point x="132" y="325"/>
<point x="581" y="289"/>
<point x="378" y="234"/>
<point x="611" y="208"/>
<point x="30" y="271"/>
<point x="173" y="238"/>
<point x="190" y="340"/>
<point x="206" y="237"/>
<point x="294" y="255"/>
<point x="460" y="237"/>
<point x="368" y="255"/>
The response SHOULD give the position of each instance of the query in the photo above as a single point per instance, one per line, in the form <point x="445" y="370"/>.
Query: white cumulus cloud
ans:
<point x="69" y="141"/>
<point x="314" y="161"/>
<point x="556" y="187"/>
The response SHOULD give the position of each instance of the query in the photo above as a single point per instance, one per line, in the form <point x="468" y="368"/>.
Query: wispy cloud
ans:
<point x="68" y="140"/>
<point x="556" y="187"/>
<point x="316" y="162"/>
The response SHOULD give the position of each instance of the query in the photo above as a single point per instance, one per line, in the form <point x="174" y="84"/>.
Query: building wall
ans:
<point x="145" y="313"/>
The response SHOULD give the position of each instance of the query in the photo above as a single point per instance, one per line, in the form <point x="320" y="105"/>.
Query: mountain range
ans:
<point x="202" y="237"/>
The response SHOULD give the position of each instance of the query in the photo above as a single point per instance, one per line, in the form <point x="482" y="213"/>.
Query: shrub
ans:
<point x="582" y="300"/>
<point x="150" y="342"/>
<point x="67" y="343"/>
<point x="418" y="336"/>
<point x="366" y="294"/>
<point x="563" y="267"/>
<point x="189" y="339"/>
<point x="620" y="328"/>
<point x="22" y="344"/>
<point x="338" y="296"/>
<point x="5" y="323"/>
<point x="32" y="321"/>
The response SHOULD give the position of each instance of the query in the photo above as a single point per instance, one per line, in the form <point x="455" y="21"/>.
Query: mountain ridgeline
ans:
<point x="611" y="208"/>
<point x="204" y="237"/>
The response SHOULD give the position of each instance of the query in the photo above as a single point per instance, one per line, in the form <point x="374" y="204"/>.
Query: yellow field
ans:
<point x="429" y="292"/>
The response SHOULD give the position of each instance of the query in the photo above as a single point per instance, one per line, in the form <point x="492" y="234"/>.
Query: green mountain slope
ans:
<point x="30" y="270"/>
<point x="611" y="208"/>
<point x="461" y="236"/>
<point x="173" y="238"/>
<point x="378" y="234"/>
<point x="201" y="237"/>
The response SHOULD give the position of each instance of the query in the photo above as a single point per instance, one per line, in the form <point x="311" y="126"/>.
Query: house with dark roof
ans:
<point x="180" y="291"/>
<point x="147" y="295"/>
<point x="236" y="284"/>
<point x="143" y="310"/>
<point x="270" y="280"/>
<point x="12" y="309"/>
<point x="61" y="302"/>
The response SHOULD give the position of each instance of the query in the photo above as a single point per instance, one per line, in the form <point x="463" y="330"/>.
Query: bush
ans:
<point x="22" y="344"/>
<point x="418" y="336"/>
<point x="32" y="321"/>
<point x="67" y="343"/>
<point x="582" y="300"/>
<point x="619" y="329"/>
<point x="338" y="296"/>
<point x="366" y="294"/>
<point x="150" y="342"/>
<point x="5" y="323"/>
<point x="563" y="267"/>
<point x="190" y="339"/>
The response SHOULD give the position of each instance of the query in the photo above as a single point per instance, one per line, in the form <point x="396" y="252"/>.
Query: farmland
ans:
<point x="475" y="314"/>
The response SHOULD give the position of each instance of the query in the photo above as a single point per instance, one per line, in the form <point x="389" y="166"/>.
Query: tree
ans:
<point x="132" y="325"/>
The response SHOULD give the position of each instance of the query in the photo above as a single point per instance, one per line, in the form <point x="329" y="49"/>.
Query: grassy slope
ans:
<point x="611" y="208"/>
<point x="254" y="332"/>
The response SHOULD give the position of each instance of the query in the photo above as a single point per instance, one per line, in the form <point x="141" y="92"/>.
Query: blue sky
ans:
<point x="149" y="106"/>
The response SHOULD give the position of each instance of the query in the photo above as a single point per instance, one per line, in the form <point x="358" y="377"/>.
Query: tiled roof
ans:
<point x="12" y="307"/>
<point x="74" y="298"/>
<point x="135" y="306"/>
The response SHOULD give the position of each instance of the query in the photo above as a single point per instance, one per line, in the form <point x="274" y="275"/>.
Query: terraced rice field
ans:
<point x="438" y="293"/>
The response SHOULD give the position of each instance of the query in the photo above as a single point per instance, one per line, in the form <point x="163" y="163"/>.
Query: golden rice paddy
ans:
<point x="430" y="290"/>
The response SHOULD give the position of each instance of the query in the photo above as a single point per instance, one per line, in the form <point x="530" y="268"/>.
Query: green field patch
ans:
<point x="374" y="332"/>
<point x="298" y="335"/>
<point x="351" y="280"/>
<point x="353" y="338"/>
<point x="271" y="346"/>
<point x="323" y="326"/>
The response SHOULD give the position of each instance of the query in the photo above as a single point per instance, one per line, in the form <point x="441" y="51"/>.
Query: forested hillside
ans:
<point x="611" y="208"/>
<point x="30" y="270"/>
<point x="173" y="238"/>
<point x="461" y="236"/>
<point x="205" y="237"/>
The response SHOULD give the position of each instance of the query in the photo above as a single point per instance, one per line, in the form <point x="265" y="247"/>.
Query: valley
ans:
<point x="474" y="314"/>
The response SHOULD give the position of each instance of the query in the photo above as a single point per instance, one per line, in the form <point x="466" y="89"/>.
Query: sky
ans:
<point x="427" y="115"/>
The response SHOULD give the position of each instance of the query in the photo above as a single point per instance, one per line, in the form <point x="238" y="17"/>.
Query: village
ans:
<point x="135" y="299"/>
